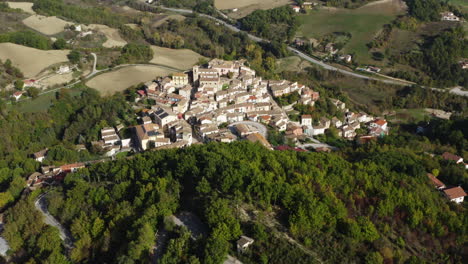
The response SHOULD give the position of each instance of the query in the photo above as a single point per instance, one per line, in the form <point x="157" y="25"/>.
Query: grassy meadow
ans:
<point x="362" y="23"/>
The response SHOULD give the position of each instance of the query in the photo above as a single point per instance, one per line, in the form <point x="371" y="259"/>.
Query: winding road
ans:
<point x="388" y="80"/>
<point x="65" y="235"/>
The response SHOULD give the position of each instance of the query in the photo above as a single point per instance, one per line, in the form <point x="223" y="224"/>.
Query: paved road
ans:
<point x="261" y="128"/>
<point x="65" y="235"/>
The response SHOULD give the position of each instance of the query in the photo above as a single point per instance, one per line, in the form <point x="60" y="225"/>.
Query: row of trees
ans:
<point x="27" y="38"/>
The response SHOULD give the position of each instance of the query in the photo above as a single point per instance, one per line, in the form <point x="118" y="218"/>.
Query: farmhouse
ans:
<point x="449" y="16"/>
<point x="455" y="194"/>
<point x="64" y="69"/>
<point x="17" y="95"/>
<point x="436" y="182"/>
<point x="40" y="156"/>
<point x="452" y="157"/>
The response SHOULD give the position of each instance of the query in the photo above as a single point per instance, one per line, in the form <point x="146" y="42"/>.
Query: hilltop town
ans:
<point x="226" y="101"/>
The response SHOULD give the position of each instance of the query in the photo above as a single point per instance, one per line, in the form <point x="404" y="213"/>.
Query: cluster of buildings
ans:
<point x="221" y="93"/>
<point x="376" y="127"/>
<point x="454" y="194"/>
<point x="111" y="142"/>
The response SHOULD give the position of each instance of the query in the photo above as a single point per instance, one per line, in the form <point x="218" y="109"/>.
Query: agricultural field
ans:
<point x="46" y="25"/>
<point x="292" y="63"/>
<point x="363" y="24"/>
<point x="57" y="79"/>
<point x="25" y="6"/>
<point x="113" y="37"/>
<point x="246" y="7"/>
<point x="29" y="60"/>
<point x="181" y="59"/>
<point x="119" y="80"/>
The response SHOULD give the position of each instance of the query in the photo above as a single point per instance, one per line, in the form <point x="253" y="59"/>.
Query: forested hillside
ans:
<point x="374" y="204"/>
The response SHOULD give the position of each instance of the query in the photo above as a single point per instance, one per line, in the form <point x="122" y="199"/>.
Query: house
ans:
<point x="146" y="134"/>
<point x="257" y="137"/>
<point x="449" y="16"/>
<point x="294" y="130"/>
<point x="40" y="156"/>
<point x="296" y="8"/>
<point x="64" y="69"/>
<point x="33" y="179"/>
<point x="452" y="157"/>
<point x="306" y="120"/>
<point x="455" y="194"/>
<point x="164" y="116"/>
<point x="31" y="83"/>
<point x="243" y="243"/>
<point x="146" y="120"/>
<point x="244" y="130"/>
<point x="379" y="123"/>
<point x="72" y="167"/>
<point x="436" y="182"/>
<point x="318" y="130"/>
<point x="17" y="95"/>
<point x="338" y="103"/>
<point x="336" y="122"/>
<point x="180" y="79"/>
<point x="348" y="132"/>
<point x="109" y="136"/>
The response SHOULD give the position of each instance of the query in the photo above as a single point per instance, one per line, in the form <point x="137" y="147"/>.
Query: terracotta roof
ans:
<point x="69" y="167"/>
<point x="450" y="156"/>
<point x="40" y="154"/>
<point x="380" y="122"/>
<point x="454" y="193"/>
<point x="437" y="183"/>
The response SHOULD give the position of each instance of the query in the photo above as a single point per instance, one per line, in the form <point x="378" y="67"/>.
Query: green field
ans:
<point x="463" y="3"/>
<point x="41" y="103"/>
<point x="362" y="23"/>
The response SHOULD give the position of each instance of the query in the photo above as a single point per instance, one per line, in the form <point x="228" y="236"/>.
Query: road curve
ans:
<point x="455" y="91"/>
<point x="65" y="235"/>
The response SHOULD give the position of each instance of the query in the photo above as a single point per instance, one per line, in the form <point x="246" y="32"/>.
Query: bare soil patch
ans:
<point x="182" y="59"/>
<point x="29" y="60"/>
<point x="119" y="80"/>
<point x="46" y="25"/>
<point x="113" y="37"/>
<point x="25" y="6"/>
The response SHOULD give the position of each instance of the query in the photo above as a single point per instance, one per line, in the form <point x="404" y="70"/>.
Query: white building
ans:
<point x="455" y="194"/>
